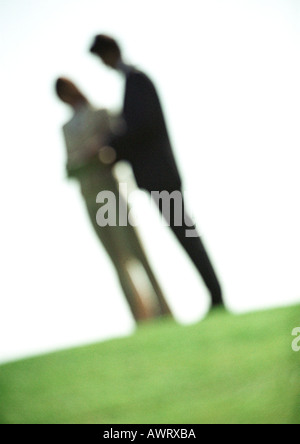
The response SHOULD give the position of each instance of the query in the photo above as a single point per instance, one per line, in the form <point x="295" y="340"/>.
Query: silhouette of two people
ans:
<point x="95" y="141"/>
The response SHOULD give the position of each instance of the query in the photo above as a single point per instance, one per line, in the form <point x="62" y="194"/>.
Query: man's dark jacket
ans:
<point x="145" y="143"/>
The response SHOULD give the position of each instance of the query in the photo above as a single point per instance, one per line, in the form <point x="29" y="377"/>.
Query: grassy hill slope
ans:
<point x="226" y="369"/>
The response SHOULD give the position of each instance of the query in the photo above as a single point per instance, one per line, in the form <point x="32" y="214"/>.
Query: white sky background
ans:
<point x="228" y="74"/>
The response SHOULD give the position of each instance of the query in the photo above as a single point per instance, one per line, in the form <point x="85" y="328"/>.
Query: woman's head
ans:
<point x="68" y="92"/>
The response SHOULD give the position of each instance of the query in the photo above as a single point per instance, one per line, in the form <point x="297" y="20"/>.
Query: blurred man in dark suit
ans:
<point x="146" y="145"/>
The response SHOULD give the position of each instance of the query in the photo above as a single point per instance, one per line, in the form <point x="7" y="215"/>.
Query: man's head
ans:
<point x="68" y="92"/>
<point x="107" y="49"/>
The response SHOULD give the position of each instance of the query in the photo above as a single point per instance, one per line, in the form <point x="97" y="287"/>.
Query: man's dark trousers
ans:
<point x="186" y="232"/>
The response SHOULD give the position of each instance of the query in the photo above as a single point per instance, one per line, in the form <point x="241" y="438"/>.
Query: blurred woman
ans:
<point x="92" y="166"/>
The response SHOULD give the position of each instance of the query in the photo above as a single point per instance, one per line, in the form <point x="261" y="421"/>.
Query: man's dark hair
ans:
<point x="102" y="44"/>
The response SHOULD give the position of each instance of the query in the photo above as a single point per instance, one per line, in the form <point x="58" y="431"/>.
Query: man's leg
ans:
<point x="193" y="246"/>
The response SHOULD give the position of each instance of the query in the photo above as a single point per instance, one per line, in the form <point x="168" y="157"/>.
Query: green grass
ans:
<point x="225" y="369"/>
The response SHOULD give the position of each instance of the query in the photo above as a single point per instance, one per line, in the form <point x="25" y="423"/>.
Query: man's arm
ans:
<point x="141" y="118"/>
